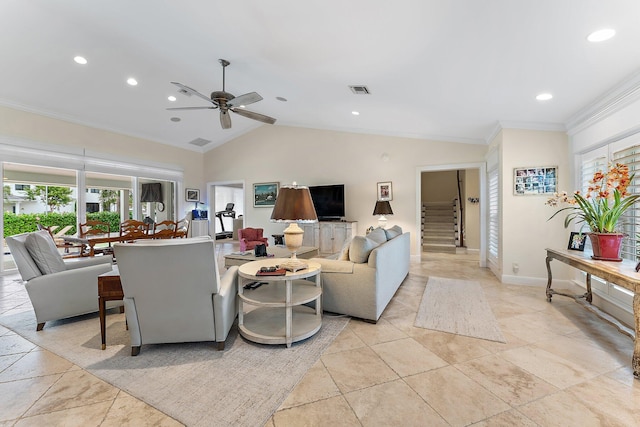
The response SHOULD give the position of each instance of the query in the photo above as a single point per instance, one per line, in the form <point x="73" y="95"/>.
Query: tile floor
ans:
<point x="560" y="366"/>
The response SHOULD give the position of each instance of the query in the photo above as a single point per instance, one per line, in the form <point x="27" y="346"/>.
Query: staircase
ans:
<point x="439" y="227"/>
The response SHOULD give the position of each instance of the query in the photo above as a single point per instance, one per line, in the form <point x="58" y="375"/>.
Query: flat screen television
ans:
<point x="328" y="201"/>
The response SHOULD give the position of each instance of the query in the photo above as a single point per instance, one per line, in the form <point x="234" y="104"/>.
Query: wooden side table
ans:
<point x="280" y="316"/>
<point x="109" y="289"/>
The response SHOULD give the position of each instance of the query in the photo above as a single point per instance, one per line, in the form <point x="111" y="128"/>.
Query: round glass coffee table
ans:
<point x="279" y="315"/>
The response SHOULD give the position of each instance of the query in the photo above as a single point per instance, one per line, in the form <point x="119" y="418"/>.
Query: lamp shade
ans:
<point x="382" y="208"/>
<point x="294" y="204"/>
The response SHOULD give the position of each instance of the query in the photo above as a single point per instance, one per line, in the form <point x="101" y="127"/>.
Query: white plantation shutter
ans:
<point x="494" y="217"/>
<point x="630" y="222"/>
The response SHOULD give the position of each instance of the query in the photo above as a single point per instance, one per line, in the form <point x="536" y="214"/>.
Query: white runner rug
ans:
<point x="458" y="307"/>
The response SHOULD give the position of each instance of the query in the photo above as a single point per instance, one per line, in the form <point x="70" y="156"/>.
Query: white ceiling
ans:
<point x="443" y="69"/>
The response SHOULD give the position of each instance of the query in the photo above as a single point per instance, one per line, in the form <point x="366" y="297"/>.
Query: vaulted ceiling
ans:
<point x="435" y="69"/>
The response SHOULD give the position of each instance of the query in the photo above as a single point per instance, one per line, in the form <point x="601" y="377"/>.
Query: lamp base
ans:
<point x="293" y="264"/>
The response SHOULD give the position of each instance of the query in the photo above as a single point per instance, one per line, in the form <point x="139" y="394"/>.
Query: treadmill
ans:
<point x="228" y="212"/>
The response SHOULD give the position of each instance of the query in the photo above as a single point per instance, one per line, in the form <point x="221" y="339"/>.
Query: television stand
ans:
<point x="329" y="236"/>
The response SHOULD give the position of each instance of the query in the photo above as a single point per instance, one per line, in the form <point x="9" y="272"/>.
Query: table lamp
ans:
<point x="382" y="208"/>
<point x="294" y="205"/>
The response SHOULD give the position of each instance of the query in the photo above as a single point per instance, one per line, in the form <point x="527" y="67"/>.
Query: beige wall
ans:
<point x="314" y="157"/>
<point x="440" y="186"/>
<point x="29" y="126"/>
<point x="525" y="229"/>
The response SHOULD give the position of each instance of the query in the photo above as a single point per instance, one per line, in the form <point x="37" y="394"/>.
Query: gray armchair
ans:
<point x="58" y="288"/>
<point x="173" y="292"/>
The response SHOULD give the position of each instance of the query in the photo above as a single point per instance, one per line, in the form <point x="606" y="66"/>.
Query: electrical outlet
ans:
<point x="516" y="267"/>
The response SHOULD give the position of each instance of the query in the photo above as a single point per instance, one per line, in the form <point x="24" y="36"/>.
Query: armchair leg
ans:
<point x="220" y="345"/>
<point x="135" y="350"/>
<point x="40" y="326"/>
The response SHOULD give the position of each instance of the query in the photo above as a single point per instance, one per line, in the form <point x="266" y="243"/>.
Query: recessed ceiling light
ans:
<point x="175" y="119"/>
<point x="544" y="97"/>
<point x="241" y="106"/>
<point x="601" y="35"/>
<point x="131" y="81"/>
<point x="171" y="98"/>
<point x="279" y="98"/>
<point x="355" y="113"/>
<point x="80" y="60"/>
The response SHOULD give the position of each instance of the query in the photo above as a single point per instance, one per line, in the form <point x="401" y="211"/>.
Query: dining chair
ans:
<point x="165" y="229"/>
<point x="133" y="229"/>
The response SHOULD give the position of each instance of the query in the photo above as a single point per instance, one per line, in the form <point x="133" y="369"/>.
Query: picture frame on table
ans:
<point x="192" y="195"/>
<point x="536" y="180"/>
<point x="577" y="241"/>
<point x="385" y="191"/>
<point x="265" y="194"/>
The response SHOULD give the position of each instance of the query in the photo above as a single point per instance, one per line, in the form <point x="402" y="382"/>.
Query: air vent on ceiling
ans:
<point x="360" y="90"/>
<point x="200" y="142"/>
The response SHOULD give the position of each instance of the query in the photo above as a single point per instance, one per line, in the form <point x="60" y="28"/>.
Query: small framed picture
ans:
<point x="265" y="194"/>
<point x="577" y="241"/>
<point x="385" y="193"/>
<point x="192" y="195"/>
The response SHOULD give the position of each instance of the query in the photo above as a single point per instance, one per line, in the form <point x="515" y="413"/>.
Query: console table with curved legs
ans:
<point x="620" y="273"/>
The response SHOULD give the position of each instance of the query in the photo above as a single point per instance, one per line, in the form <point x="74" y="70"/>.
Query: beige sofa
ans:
<point x="367" y="273"/>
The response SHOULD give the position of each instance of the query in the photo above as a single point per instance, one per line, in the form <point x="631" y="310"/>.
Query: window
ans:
<point x="93" y="207"/>
<point x="630" y="222"/>
<point x="22" y="187"/>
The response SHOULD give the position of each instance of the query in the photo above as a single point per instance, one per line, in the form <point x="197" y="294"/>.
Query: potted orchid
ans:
<point x="600" y="209"/>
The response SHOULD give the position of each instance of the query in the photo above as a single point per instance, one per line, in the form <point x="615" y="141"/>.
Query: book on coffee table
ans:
<point x="278" y="272"/>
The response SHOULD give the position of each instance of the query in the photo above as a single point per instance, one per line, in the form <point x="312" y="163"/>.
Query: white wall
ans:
<point x="315" y="157"/>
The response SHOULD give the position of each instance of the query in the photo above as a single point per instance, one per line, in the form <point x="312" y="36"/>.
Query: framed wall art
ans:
<point x="577" y="241"/>
<point x="264" y="194"/>
<point x="535" y="180"/>
<point x="385" y="193"/>
<point x="192" y="195"/>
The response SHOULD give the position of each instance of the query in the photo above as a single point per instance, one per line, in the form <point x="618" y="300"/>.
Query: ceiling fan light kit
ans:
<point x="226" y="102"/>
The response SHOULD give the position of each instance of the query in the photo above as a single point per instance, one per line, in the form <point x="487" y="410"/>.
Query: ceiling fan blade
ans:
<point x="191" y="91"/>
<point x="225" y="119"/>
<point x="246" y="99"/>
<point x="193" y="108"/>
<point x="254" y="116"/>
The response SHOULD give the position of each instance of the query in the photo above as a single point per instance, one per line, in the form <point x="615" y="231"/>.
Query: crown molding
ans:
<point x="509" y="124"/>
<point x="612" y="101"/>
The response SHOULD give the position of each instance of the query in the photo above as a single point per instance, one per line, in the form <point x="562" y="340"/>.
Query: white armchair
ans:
<point x="173" y="292"/>
<point x="57" y="288"/>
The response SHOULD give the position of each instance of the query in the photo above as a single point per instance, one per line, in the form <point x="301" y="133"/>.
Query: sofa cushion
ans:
<point x="344" y="252"/>
<point x="360" y="249"/>
<point x="378" y="235"/>
<point x="43" y="250"/>
<point x="392" y="232"/>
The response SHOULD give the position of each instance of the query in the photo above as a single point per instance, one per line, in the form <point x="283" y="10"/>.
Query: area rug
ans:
<point x="193" y="383"/>
<point x="458" y="307"/>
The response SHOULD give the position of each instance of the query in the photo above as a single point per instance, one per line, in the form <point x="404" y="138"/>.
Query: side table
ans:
<point x="280" y="316"/>
<point x="109" y="289"/>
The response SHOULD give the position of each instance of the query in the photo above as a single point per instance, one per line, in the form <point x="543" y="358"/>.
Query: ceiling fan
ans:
<point x="226" y="102"/>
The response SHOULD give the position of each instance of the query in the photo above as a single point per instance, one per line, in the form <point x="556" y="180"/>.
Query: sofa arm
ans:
<point x="73" y="263"/>
<point x="334" y="266"/>
<point x="67" y="293"/>
<point x="224" y="303"/>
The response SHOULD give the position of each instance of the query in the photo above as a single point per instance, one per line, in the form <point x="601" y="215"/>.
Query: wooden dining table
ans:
<point x="93" y="241"/>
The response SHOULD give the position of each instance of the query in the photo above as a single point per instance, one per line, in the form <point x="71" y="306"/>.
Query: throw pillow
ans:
<point x="360" y="249"/>
<point x="344" y="252"/>
<point x="378" y="235"/>
<point x="43" y="250"/>
<point x="392" y="232"/>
